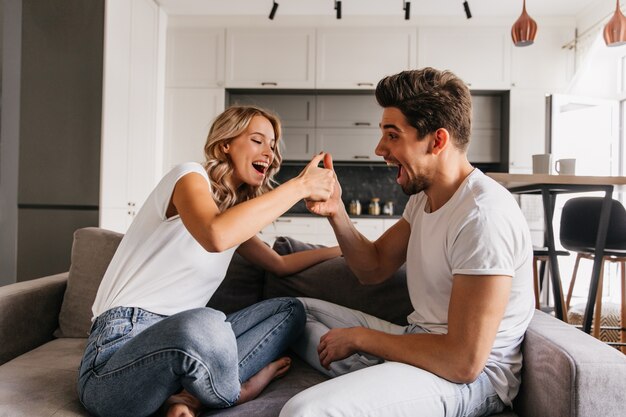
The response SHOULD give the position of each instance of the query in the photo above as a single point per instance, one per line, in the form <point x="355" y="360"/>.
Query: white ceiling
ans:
<point x="421" y="8"/>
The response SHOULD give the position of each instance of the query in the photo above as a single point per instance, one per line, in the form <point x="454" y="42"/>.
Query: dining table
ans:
<point x="549" y="187"/>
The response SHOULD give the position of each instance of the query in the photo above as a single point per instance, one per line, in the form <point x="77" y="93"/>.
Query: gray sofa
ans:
<point x="44" y="324"/>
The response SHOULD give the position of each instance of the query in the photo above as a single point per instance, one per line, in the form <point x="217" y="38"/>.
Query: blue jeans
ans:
<point x="135" y="359"/>
<point x="366" y="385"/>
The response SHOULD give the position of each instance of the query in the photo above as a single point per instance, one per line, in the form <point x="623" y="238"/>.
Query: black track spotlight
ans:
<point x="468" y="12"/>
<point x="407" y="10"/>
<point x="338" y="8"/>
<point x="273" y="12"/>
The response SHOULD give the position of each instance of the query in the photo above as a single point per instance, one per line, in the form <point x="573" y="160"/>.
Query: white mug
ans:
<point x="542" y="163"/>
<point x="566" y="166"/>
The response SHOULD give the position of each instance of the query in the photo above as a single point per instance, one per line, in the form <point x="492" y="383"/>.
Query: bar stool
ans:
<point x="541" y="262"/>
<point x="579" y="228"/>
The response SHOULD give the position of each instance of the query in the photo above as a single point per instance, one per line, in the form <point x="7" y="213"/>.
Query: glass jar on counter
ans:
<point x="354" y="209"/>
<point x="388" y="208"/>
<point x="374" y="207"/>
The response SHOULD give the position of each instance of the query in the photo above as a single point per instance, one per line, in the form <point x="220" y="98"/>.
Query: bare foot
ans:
<point x="253" y="387"/>
<point x="182" y="404"/>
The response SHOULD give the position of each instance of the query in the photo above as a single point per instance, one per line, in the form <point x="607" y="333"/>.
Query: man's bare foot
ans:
<point x="182" y="404"/>
<point x="253" y="387"/>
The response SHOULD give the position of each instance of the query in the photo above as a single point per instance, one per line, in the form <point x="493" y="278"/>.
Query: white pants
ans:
<point x="387" y="389"/>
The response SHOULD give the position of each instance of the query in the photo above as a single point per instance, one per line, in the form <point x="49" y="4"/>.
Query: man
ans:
<point x="468" y="254"/>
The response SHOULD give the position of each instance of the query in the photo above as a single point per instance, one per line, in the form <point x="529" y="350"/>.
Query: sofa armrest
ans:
<point x="566" y="372"/>
<point x="29" y="314"/>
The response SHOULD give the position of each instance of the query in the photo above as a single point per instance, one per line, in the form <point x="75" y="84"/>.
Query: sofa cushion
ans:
<point x="92" y="251"/>
<point x="567" y="372"/>
<point x="42" y="382"/>
<point x="333" y="281"/>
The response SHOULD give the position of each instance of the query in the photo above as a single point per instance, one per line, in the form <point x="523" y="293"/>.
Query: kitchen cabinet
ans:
<point x="195" y="57"/>
<point x="486" y="129"/>
<point x="131" y="146"/>
<point x="298" y="144"/>
<point x="189" y="113"/>
<point x="348" y="110"/>
<point x="481" y="56"/>
<point x="345" y="125"/>
<point x="295" y="110"/>
<point x="317" y="230"/>
<point x="545" y="64"/>
<point x="356" y="144"/>
<point x="357" y="58"/>
<point x="270" y="58"/>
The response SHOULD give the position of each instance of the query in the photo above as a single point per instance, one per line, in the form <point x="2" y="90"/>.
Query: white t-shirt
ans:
<point x="158" y="265"/>
<point x="479" y="231"/>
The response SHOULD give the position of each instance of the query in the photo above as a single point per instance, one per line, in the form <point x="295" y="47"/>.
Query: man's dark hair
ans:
<point x="430" y="99"/>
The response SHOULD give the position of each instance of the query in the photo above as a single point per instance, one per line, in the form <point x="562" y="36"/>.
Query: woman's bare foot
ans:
<point x="253" y="387"/>
<point x="182" y="404"/>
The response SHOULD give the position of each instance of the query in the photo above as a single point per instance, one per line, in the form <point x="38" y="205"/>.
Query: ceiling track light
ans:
<point x="407" y="9"/>
<point x="338" y="8"/>
<point x="615" y="29"/>
<point x="524" y="29"/>
<point x="273" y="12"/>
<point x="468" y="12"/>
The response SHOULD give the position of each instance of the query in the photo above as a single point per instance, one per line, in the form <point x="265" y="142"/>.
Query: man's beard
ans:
<point x="417" y="185"/>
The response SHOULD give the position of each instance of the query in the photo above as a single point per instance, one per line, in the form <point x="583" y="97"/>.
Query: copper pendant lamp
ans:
<point x="615" y="30"/>
<point x="524" y="29"/>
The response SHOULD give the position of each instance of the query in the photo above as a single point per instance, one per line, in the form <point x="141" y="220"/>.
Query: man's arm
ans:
<point x="476" y="309"/>
<point x="371" y="262"/>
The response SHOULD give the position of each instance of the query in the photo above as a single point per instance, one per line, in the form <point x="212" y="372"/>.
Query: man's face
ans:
<point x="400" y="147"/>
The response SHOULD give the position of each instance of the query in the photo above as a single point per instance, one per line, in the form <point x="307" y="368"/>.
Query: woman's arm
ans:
<point x="258" y="253"/>
<point x="217" y="231"/>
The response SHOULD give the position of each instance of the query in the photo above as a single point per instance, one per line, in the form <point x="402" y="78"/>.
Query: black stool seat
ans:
<point x="579" y="231"/>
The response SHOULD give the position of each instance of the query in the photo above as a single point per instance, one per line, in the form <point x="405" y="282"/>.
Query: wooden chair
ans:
<point x="540" y="271"/>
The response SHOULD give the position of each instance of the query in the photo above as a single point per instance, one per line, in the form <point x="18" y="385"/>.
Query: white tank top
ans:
<point x="158" y="265"/>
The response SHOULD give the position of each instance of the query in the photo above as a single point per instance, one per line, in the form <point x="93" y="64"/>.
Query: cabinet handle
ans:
<point x="361" y="157"/>
<point x="269" y="83"/>
<point x="365" y="84"/>
<point x="307" y="144"/>
<point x="362" y="124"/>
<point x="283" y="220"/>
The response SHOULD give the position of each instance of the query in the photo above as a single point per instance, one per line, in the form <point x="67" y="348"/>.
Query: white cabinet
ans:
<point x="350" y="144"/>
<point x="545" y="64"/>
<point x="360" y="57"/>
<point x="131" y="146"/>
<point x="481" y="56"/>
<point x="195" y="57"/>
<point x="527" y="135"/>
<point x="270" y="58"/>
<point x="317" y="230"/>
<point x="189" y="113"/>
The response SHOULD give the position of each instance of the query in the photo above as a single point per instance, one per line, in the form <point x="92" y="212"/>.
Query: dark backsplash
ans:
<point x="358" y="182"/>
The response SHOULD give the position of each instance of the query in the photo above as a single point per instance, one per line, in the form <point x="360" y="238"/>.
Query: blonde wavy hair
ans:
<point x="227" y="126"/>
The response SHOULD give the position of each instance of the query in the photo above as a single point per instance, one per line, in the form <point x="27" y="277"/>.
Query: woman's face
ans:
<point x="252" y="152"/>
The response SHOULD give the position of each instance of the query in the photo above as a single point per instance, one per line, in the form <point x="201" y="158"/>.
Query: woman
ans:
<point x="152" y="335"/>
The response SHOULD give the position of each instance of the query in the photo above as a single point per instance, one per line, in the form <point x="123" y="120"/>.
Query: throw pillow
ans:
<point x="242" y="286"/>
<point x="92" y="251"/>
<point x="333" y="281"/>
